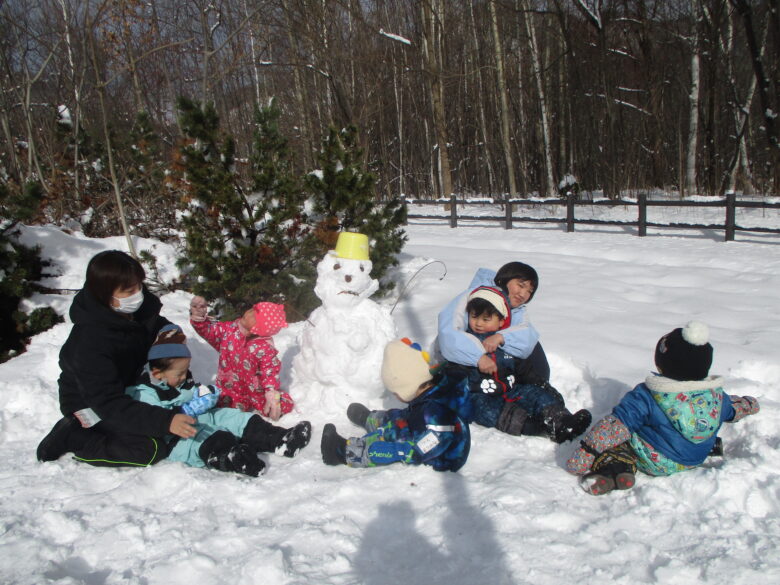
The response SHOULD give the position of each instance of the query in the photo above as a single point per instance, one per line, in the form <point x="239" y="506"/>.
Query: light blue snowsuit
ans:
<point x="161" y="394"/>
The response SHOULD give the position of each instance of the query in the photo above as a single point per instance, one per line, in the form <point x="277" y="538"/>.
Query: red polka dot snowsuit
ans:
<point x="248" y="365"/>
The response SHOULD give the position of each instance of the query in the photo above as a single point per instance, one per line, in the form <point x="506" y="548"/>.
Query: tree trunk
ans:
<point x="504" y="104"/>
<point x="693" y="121"/>
<point x="481" y="105"/>
<point x="549" y="181"/>
<point x="433" y="59"/>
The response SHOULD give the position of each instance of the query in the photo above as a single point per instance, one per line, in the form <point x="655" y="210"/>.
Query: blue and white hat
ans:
<point x="170" y="343"/>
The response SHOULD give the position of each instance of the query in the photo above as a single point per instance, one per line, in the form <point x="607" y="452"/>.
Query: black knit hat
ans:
<point x="685" y="354"/>
<point x="517" y="270"/>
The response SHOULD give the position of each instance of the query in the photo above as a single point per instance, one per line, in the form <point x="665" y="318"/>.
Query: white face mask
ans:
<point x="130" y="304"/>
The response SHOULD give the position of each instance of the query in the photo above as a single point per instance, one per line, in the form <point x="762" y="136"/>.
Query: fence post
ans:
<point x="508" y="220"/>
<point x="453" y="212"/>
<point x="642" y="219"/>
<point x="731" y="200"/>
<point x="570" y="212"/>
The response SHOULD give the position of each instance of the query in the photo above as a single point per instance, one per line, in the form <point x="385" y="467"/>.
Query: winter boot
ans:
<point x="262" y="435"/>
<point x="358" y="414"/>
<point x="222" y="451"/>
<point x="572" y="425"/>
<point x="66" y="435"/>
<point x="294" y="439"/>
<point x="512" y="419"/>
<point x="613" y="469"/>
<point x="558" y="424"/>
<point x="333" y="446"/>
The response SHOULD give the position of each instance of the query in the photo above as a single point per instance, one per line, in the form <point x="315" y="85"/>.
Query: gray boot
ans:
<point x="512" y="419"/>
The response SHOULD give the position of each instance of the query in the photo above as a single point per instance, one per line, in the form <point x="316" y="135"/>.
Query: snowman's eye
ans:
<point x="362" y="269"/>
<point x="337" y="267"/>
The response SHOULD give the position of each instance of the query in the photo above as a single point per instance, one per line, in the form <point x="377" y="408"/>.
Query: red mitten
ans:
<point x="608" y="432"/>
<point x="743" y="406"/>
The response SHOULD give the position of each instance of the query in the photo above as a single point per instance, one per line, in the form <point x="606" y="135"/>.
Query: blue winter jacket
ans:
<point x="461" y="347"/>
<point x="678" y="419"/>
<point x="435" y="425"/>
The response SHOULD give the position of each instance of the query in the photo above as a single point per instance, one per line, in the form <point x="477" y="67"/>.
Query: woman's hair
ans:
<point x="519" y="270"/>
<point x="110" y="270"/>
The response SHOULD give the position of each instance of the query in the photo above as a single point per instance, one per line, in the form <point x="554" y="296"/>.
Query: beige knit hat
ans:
<point x="405" y="368"/>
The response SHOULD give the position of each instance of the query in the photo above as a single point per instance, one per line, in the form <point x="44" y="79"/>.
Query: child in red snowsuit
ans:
<point x="248" y="372"/>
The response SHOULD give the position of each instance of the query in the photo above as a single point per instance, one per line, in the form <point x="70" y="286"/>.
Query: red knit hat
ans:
<point x="269" y="319"/>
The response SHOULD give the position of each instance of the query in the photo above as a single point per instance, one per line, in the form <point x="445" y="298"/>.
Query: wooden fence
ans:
<point x="729" y="203"/>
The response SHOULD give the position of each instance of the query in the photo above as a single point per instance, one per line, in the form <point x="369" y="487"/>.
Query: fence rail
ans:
<point x="729" y="203"/>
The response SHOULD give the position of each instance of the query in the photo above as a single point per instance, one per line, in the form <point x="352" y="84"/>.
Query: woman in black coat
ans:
<point x="115" y="321"/>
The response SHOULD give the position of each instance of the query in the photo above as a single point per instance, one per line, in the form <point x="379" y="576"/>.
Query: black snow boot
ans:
<point x="358" y="414"/>
<point x="222" y="451"/>
<point x="333" y="446"/>
<point x="66" y="436"/>
<point x="294" y="439"/>
<point x="262" y="435"/>
<point x="558" y="424"/>
<point x="512" y="419"/>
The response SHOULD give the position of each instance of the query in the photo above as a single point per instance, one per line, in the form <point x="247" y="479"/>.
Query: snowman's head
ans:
<point x="344" y="282"/>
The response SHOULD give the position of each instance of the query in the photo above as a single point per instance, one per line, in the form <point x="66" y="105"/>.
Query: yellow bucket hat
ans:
<point x="352" y="245"/>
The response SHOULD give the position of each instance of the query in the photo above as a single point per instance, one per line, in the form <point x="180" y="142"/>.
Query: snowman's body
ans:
<point x="342" y="344"/>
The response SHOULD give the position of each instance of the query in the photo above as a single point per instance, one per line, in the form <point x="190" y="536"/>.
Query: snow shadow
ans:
<point x="394" y="551"/>
<point x="78" y="570"/>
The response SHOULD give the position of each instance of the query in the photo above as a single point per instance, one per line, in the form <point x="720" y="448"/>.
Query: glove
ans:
<point x="204" y="400"/>
<point x="199" y="309"/>
<point x="743" y="406"/>
<point x="608" y="432"/>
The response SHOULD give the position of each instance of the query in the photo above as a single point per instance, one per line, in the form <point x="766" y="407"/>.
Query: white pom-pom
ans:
<point x="696" y="333"/>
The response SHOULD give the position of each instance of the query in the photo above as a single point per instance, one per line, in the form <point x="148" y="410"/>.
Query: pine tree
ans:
<point x="20" y="268"/>
<point x="344" y="199"/>
<point x="243" y="245"/>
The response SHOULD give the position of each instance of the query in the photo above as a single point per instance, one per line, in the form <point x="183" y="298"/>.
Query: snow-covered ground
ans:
<point x="511" y="515"/>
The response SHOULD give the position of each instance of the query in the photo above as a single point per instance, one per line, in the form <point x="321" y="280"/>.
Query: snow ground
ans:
<point x="512" y="515"/>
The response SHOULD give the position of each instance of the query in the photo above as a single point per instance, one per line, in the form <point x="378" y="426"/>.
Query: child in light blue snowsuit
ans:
<point x="226" y="439"/>
<point x="432" y="430"/>
<point x="668" y="424"/>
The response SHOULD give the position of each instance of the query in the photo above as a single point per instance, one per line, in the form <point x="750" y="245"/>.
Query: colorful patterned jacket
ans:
<point x="674" y="422"/>
<point x="248" y="366"/>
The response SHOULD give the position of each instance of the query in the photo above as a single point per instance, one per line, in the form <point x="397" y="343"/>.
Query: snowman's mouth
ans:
<point x="349" y="292"/>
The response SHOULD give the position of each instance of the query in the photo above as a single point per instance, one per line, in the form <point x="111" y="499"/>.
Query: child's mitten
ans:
<point x="743" y="406"/>
<point x="204" y="400"/>
<point x="608" y="432"/>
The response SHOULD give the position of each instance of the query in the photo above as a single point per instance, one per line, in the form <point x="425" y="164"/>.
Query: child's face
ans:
<point x="519" y="291"/>
<point x="174" y="374"/>
<point x="247" y="321"/>
<point x="485" y="323"/>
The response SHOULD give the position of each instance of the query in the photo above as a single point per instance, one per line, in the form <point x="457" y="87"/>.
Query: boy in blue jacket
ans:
<point x="512" y="397"/>
<point x="432" y="430"/>
<point x="668" y="424"/>
<point x="227" y="439"/>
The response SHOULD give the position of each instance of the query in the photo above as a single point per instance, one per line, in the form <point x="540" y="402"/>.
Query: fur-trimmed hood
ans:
<point x="658" y="383"/>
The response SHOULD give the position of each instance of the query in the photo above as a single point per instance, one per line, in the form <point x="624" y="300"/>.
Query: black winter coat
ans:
<point x="104" y="353"/>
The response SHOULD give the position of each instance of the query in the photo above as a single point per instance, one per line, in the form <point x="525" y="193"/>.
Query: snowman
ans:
<point x="342" y="343"/>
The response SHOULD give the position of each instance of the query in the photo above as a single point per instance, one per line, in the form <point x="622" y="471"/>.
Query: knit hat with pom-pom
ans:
<point x="685" y="354"/>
